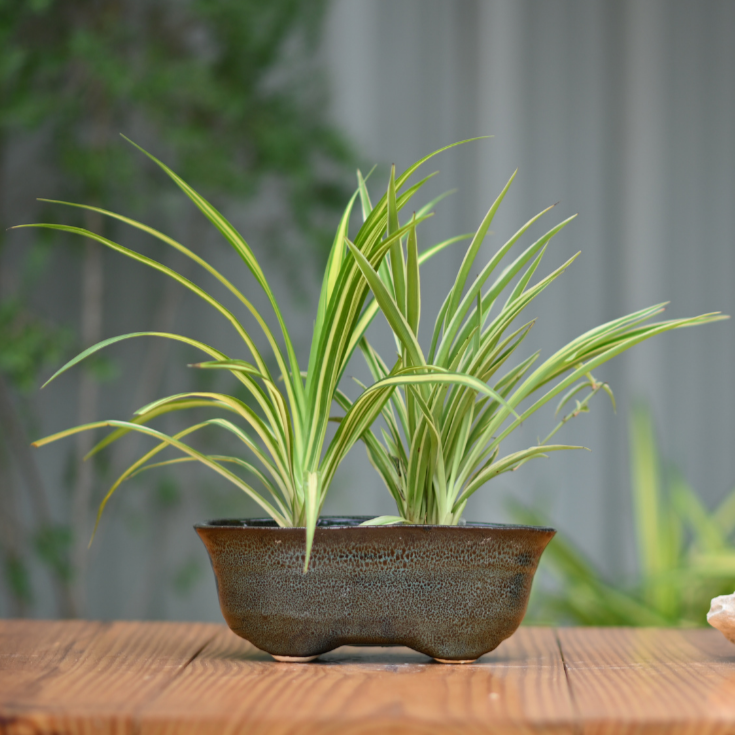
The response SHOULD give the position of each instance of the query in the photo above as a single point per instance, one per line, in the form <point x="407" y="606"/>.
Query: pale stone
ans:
<point x="722" y="615"/>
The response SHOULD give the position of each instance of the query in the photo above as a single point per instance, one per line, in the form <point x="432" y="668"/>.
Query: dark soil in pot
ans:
<point x="451" y="592"/>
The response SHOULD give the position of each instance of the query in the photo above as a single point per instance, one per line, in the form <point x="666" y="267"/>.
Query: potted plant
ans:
<point x="449" y="590"/>
<point x="419" y="578"/>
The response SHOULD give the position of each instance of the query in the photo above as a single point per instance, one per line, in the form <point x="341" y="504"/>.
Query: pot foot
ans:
<point x="294" y="659"/>
<point x="455" y="661"/>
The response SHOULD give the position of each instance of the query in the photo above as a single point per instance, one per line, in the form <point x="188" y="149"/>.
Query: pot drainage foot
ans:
<point x="294" y="659"/>
<point x="455" y="661"/>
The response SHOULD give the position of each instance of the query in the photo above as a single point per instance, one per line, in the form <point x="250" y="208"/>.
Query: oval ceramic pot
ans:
<point x="451" y="592"/>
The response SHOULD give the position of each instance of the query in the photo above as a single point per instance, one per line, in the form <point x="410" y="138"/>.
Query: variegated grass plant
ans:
<point x="287" y="433"/>
<point x="441" y="442"/>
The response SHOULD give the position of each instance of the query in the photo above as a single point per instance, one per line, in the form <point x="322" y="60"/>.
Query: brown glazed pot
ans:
<point x="451" y="592"/>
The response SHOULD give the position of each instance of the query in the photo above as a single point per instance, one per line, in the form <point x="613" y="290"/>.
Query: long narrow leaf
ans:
<point x="247" y="255"/>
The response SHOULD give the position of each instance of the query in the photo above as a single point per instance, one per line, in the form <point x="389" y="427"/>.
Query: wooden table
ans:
<point x="67" y="677"/>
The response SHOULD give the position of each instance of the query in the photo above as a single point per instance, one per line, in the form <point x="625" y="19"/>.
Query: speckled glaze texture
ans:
<point x="451" y="592"/>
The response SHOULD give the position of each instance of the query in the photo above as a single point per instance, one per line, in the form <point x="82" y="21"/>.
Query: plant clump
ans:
<point x="446" y="412"/>
<point x="442" y="440"/>
<point x="286" y="435"/>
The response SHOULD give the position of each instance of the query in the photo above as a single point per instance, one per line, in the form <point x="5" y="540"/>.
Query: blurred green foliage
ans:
<point x="29" y="343"/>
<point x="685" y="553"/>
<point x="227" y="91"/>
<point x="228" y="86"/>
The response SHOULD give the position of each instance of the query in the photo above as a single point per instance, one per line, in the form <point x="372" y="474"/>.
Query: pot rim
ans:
<point x="353" y="522"/>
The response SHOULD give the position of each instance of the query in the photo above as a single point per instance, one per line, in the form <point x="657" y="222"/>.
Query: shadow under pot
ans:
<point x="450" y="592"/>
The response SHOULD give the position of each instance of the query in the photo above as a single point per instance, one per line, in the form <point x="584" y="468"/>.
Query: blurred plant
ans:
<point x="29" y="344"/>
<point x="233" y="84"/>
<point x="686" y="554"/>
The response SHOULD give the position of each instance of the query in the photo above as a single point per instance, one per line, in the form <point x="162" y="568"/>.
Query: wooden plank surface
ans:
<point x="231" y="687"/>
<point x="197" y="679"/>
<point x="644" y="680"/>
<point x="82" y="677"/>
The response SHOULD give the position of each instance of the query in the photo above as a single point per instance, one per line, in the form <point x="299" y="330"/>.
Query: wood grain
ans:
<point x="75" y="678"/>
<point x="81" y="677"/>
<point x="628" y="680"/>
<point x="231" y="687"/>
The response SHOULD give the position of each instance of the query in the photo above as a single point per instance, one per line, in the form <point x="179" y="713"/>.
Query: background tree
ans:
<point x="228" y="92"/>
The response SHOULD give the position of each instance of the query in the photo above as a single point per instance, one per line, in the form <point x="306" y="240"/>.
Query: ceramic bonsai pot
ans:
<point x="451" y="592"/>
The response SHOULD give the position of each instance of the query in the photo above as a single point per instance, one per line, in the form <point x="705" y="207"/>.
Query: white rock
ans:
<point x="722" y="615"/>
